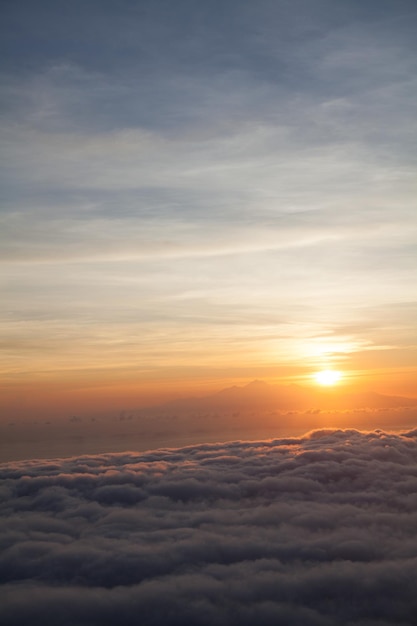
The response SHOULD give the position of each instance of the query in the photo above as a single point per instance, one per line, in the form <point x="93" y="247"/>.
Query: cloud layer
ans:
<point x="172" y="167"/>
<point x="318" y="530"/>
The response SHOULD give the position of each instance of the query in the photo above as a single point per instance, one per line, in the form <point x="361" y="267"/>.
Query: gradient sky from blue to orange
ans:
<point x="196" y="193"/>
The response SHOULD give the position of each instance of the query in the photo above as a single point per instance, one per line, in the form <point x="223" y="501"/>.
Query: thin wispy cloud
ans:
<point x="242" y="158"/>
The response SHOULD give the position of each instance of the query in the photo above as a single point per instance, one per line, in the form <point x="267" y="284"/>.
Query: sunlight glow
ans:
<point x="328" y="377"/>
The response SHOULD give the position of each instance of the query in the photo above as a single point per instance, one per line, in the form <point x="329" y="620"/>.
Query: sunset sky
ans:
<point x="208" y="283"/>
<point x="199" y="194"/>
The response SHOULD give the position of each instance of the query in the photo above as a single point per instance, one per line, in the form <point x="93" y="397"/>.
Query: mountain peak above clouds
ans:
<point x="259" y="395"/>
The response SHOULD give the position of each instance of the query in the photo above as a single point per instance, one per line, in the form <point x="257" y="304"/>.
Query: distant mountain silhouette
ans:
<point x="261" y="396"/>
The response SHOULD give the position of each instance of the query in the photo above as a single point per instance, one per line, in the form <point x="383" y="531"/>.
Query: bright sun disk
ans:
<point x="328" y="377"/>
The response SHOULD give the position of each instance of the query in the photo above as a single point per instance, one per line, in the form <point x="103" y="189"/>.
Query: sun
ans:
<point x="328" y="377"/>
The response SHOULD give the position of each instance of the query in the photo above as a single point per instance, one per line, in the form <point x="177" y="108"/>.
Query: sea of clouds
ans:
<point x="319" y="530"/>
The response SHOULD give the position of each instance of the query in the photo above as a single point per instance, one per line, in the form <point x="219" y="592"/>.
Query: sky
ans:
<point x="317" y="530"/>
<point x="197" y="194"/>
